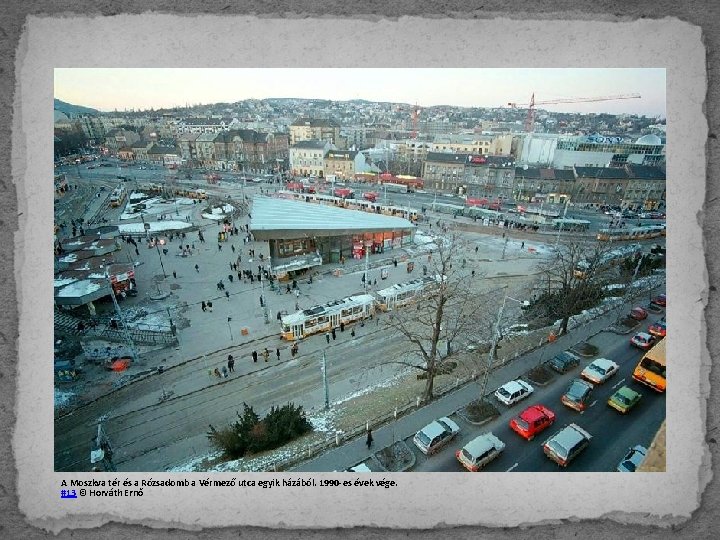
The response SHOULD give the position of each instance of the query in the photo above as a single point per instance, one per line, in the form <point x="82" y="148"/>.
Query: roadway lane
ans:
<point x="613" y="433"/>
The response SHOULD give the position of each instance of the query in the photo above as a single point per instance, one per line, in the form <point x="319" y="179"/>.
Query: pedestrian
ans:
<point x="197" y="268"/>
<point x="266" y="354"/>
<point x="174" y="274"/>
<point x="369" y="439"/>
<point x="352" y="332"/>
<point x="224" y="372"/>
<point x="287" y="290"/>
<point x="137" y="252"/>
<point x="231" y="267"/>
<point x="297" y="306"/>
<point x="279" y="316"/>
<point x="231" y="363"/>
<point x="254" y="356"/>
<point x="230" y="278"/>
<point x="294" y="349"/>
<point x="522" y="245"/>
<point x="227" y="295"/>
<point x="342" y="326"/>
<point x="239" y="276"/>
<point x="476" y="249"/>
<point x="327" y="337"/>
<point x="209" y="306"/>
<point x="217" y="373"/>
<point x="294" y="284"/>
<point x="297" y="293"/>
<point x="277" y="353"/>
<point x="333" y="334"/>
<point x="203" y="306"/>
<point x="219" y="247"/>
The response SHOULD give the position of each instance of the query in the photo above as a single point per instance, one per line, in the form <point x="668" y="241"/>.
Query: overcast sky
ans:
<point x="117" y="88"/>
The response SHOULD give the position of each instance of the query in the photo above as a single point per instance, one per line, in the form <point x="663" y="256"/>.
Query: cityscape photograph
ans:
<point x="356" y="270"/>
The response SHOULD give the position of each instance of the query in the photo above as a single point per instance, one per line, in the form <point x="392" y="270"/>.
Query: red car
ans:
<point x="643" y="341"/>
<point x="638" y="313"/>
<point x="658" y="329"/>
<point x="532" y="421"/>
<point x="660" y="300"/>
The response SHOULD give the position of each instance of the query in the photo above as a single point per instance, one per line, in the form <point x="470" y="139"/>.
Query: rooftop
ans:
<point x="281" y="218"/>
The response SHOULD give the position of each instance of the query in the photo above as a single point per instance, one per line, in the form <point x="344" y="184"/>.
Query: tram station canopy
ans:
<point x="274" y="219"/>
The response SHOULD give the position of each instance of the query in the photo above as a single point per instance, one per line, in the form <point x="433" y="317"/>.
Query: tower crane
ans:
<point x="530" y="119"/>
<point x="414" y="113"/>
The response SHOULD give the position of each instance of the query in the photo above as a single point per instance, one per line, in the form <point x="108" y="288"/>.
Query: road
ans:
<point x="613" y="433"/>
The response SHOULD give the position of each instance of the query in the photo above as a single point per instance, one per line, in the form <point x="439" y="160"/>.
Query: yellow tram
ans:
<point x="325" y="317"/>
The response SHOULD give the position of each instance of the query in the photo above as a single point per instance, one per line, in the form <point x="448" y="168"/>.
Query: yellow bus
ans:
<point x="651" y="369"/>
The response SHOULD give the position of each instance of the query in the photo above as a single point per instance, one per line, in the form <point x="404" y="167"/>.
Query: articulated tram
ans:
<point x="403" y="293"/>
<point x="634" y="233"/>
<point x="325" y="317"/>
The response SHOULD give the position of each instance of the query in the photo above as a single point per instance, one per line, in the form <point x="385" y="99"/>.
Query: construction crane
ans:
<point x="530" y="119"/>
<point x="414" y="113"/>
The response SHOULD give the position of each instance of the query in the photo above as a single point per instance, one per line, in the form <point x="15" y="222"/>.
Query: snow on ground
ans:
<point x="219" y="212"/>
<point x="155" y="226"/>
<point x="140" y="319"/>
<point x="191" y="466"/>
<point x="63" y="282"/>
<point x="422" y="238"/>
<point x="79" y="288"/>
<point x="63" y="398"/>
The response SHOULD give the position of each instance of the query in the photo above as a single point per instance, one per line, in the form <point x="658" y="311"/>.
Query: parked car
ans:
<point x="480" y="451"/>
<point x="513" y="391"/>
<point x="638" y="313"/>
<point x="566" y="444"/>
<point x="624" y="399"/>
<point x="577" y="395"/>
<point x="658" y="329"/>
<point x="532" y="421"/>
<point x="633" y="459"/>
<point x="643" y="340"/>
<point x="599" y="371"/>
<point x="564" y="361"/>
<point x="435" y="435"/>
<point x="660" y="300"/>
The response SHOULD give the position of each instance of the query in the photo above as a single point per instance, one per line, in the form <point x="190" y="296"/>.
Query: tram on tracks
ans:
<point x="325" y="317"/>
<point x="633" y="233"/>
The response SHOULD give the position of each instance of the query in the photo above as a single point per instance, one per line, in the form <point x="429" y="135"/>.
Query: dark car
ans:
<point x="577" y="395"/>
<point x="564" y="361"/>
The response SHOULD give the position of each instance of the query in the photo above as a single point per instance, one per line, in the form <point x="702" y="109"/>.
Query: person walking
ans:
<point x="174" y="274"/>
<point x="233" y="248"/>
<point x="231" y="363"/>
<point x="294" y="349"/>
<point x="209" y="306"/>
<point x="369" y="439"/>
<point x="327" y="337"/>
<point x="203" y="306"/>
<point x="230" y="278"/>
<point x="352" y="332"/>
<point x="277" y="353"/>
<point x="254" y="356"/>
<point x="333" y="334"/>
<point x="266" y="354"/>
<point x="197" y="268"/>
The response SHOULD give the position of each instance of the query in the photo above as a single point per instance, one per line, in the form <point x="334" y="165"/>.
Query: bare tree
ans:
<point x="445" y="310"/>
<point x="570" y="281"/>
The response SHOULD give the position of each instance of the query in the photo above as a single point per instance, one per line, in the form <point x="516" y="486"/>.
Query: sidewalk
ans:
<point x="356" y="451"/>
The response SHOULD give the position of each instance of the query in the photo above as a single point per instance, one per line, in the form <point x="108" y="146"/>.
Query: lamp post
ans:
<point x="496" y="339"/>
<point x="230" y="327"/>
<point x="123" y="329"/>
<point x="323" y="368"/>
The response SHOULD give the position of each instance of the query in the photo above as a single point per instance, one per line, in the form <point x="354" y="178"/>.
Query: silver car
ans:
<point x="435" y="435"/>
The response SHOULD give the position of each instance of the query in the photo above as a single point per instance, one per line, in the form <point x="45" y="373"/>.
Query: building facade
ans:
<point x="311" y="129"/>
<point x="489" y="176"/>
<point x="307" y="158"/>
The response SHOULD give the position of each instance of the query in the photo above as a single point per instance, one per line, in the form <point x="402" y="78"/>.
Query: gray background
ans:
<point x="10" y="28"/>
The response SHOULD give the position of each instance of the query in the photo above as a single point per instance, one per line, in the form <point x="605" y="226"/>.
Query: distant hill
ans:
<point x="72" y="110"/>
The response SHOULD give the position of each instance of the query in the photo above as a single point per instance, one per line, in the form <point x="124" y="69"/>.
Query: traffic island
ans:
<point x="539" y="375"/>
<point x="585" y="349"/>
<point x="478" y="412"/>
<point x="624" y="326"/>
<point x="396" y="458"/>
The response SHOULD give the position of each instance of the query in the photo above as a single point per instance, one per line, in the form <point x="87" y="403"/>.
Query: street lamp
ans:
<point x="230" y="327"/>
<point x="323" y="368"/>
<point x="496" y="339"/>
